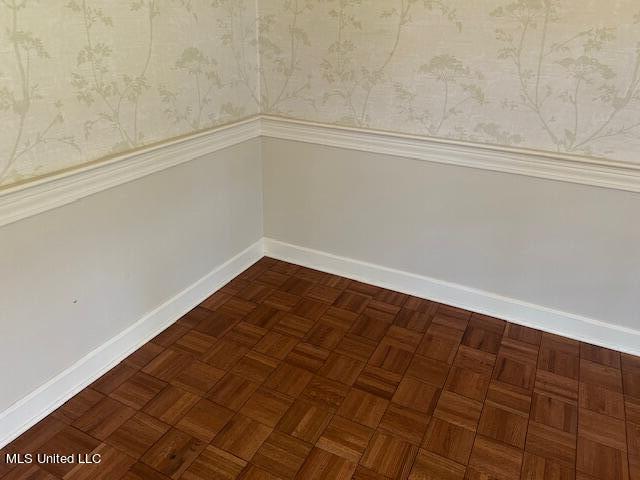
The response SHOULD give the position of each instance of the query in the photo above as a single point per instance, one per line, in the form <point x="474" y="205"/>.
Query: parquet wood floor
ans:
<point x="288" y="372"/>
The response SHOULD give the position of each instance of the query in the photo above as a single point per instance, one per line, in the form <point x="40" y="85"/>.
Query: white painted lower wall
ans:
<point x="83" y="285"/>
<point x="554" y="255"/>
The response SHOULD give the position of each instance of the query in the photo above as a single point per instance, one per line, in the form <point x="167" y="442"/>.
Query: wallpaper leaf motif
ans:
<point x="27" y="50"/>
<point x="580" y="57"/>
<point x="351" y="81"/>
<point x="81" y="80"/>
<point x="95" y="82"/>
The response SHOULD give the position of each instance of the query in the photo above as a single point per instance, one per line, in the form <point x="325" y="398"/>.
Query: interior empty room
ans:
<point x="320" y="239"/>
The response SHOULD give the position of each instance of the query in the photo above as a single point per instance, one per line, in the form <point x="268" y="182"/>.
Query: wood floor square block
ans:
<point x="555" y="413"/>
<point x="321" y="465"/>
<point x="504" y="425"/>
<point x="339" y="318"/>
<point x="549" y="442"/>
<point x="168" y="365"/>
<point x="600" y="461"/>
<point x="78" y="405"/>
<point x="205" y="420"/>
<point x="305" y="420"/>
<point x="264" y="317"/>
<point x="513" y="372"/>
<point x="224" y="354"/>
<point x="371" y="328"/>
<point x="276" y="345"/>
<point x="417" y="395"/>
<point x="215" y="464"/>
<point x="232" y="391"/>
<point x="404" y="423"/>
<point x="556" y="359"/>
<point x="173" y="453"/>
<point x="113" y="464"/>
<point x="293" y="325"/>
<point x="275" y="279"/>
<point x="481" y="339"/>
<point x="68" y="441"/>
<point x="342" y="368"/>
<point x="495" y="460"/>
<point x="468" y="383"/>
<point x="142" y="471"/>
<point x="428" y="370"/>
<point x="255" y="292"/>
<point x="282" y="454"/>
<point x="523" y="334"/>
<point x="296" y="286"/>
<point x="352" y="301"/>
<point x="217" y="324"/>
<point x="216" y="300"/>
<point x="171" y="404"/>
<point x="246" y="334"/>
<point x="325" y="335"/>
<point x="113" y="378"/>
<point x="448" y="440"/>
<point x="236" y="308"/>
<point x="421" y="305"/>
<point x="25" y="472"/>
<point x="288" y="379"/>
<point x="255" y="367"/>
<point x="327" y="393"/>
<point x="104" y="418"/>
<point x="356" y="347"/>
<point x="391" y="297"/>
<point x="429" y="466"/>
<point x="557" y="386"/>
<point x="35" y="437"/>
<point x="631" y="382"/>
<point x="170" y="335"/>
<point x="633" y="439"/>
<point x="602" y="429"/>
<point x="195" y="343"/>
<point x="282" y="300"/>
<point x="363" y="407"/>
<point x="242" y="436"/>
<point x="345" y="438"/>
<point x="266" y="406"/>
<point x="412" y="320"/>
<point x="198" y="378"/>
<point x="390" y="356"/>
<point x="285" y="267"/>
<point x="600" y="400"/>
<point x="311" y="309"/>
<point x="389" y="456"/>
<point x="458" y="410"/>
<point x="308" y="356"/>
<point x="600" y="355"/>
<point x="138" y="434"/>
<point x="378" y="381"/>
<point x="141" y="357"/>
<point x="440" y="343"/>
<point x="483" y="321"/>
<point x="323" y="293"/>
<point x="251" y="472"/>
<point x="476" y="360"/>
<point x="404" y="338"/>
<point x="540" y="468"/>
<point x="632" y="409"/>
<point x="601" y="375"/>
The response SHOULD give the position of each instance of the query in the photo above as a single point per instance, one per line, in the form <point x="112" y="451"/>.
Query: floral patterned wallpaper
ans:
<point x="81" y="80"/>
<point x="558" y="75"/>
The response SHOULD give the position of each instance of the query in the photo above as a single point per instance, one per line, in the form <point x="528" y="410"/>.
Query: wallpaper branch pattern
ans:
<point x="82" y="80"/>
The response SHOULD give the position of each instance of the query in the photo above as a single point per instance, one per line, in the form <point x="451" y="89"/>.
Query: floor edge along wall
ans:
<point x="35" y="406"/>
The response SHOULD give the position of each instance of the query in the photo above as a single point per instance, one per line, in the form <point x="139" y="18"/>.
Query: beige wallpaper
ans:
<point x="559" y="75"/>
<point x="84" y="79"/>
<point x="81" y="80"/>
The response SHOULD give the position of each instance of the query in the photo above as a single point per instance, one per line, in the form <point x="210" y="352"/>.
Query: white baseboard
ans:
<point x="31" y="409"/>
<point x="510" y="309"/>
